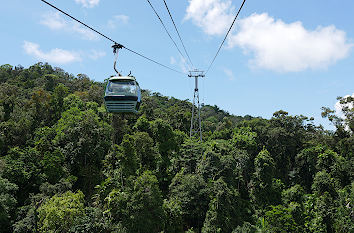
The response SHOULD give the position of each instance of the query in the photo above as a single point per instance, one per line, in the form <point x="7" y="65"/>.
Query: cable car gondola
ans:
<point x="123" y="94"/>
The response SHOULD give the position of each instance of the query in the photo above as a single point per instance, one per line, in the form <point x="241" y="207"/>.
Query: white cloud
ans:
<point x="172" y="60"/>
<point x="55" y="21"/>
<point x="339" y="111"/>
<point x="117" y="19"/>
<point x="84" y="32"/>
<point x="213" y="16"/>
<point x="229" y="74"/>
<point x="182" y="63"/>
<point x="58" y="56"/>
<point x="283" y="47"/>
<point x="95" y="54"/>
<point x="88" y="3"/>
<point x="338" y="106"/>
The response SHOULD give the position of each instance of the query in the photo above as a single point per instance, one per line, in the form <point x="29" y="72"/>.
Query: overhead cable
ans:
<point x="233" y="22"/>
<point x="101" y="34"/>
<point x="184" y="47"/>
<point x="158" y="16"/>
<point x="167" y="67"/>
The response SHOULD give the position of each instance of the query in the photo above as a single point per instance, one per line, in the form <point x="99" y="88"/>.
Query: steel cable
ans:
<point x="184" y="47"/>
<point x="233" y="22"/>
<point x="158" y="16"/>
<point x="101" y="34"/>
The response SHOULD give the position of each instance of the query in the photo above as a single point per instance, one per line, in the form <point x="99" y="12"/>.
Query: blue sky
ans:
<point x="291" y="55"/>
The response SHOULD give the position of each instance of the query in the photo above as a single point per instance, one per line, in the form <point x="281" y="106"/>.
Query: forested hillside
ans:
<point x="66" y="165"/>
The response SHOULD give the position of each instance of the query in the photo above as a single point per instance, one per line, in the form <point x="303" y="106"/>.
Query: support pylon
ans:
<point x="196" y="122"/>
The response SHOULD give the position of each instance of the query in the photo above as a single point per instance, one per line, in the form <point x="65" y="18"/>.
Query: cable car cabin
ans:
<point x="123" y="95"/>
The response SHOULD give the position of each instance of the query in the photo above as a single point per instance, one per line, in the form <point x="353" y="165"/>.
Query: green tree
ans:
<point x="61" y="212"/>
<point x="236" y="169"/>
<point x="295" y="193"/>
<point x="264" y="167"/>
<point x="280" y="219"/>
<point x="138" y="208"/>
<point x="27" y="215"/>
<point x="22" y="168"/>
<point x="246" y="228"/>
<point x="343" y="123"/>
<point x="323" y="182"/>
<point x="146" y="152"/>
<point x="344" y="214"/>
<point x="244" y="138"/>
<point x="57" y="101"/>
<point x="323" y="206"/>
<point x="284" y="139"/>
<point x="225" y="209"/>
<point x="165" y="139"/>
<point x="73" y="101"/>
<point x="191" y="192"/>
<point x="84" y="141"/>
<point x="40" y="103"/>
<point x="122" y="160"/>
<point x="15" y="132"/>
<point x="306" y="165"/>
<point x="8" y="99"/>
<point x="53" y="165"/>
<point x="265" y="189"/>
<point x="173" y="213"/>
<point x="187" y="157"/>
<point x="5" y="72"/>
<point x="322" y="214"/>
<point x="7" y="203"/>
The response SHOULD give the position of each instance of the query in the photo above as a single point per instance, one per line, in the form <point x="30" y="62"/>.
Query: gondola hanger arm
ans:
<point x="116" y="48"/>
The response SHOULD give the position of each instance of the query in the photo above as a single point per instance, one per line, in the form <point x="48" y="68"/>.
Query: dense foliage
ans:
<point x="66" y="165"/>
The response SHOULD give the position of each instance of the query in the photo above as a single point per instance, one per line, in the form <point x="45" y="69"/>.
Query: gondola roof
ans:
<point x="122" y="78"/>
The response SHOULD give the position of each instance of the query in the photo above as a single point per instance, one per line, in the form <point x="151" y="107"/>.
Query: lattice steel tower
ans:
<point x="196" y="122"/>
